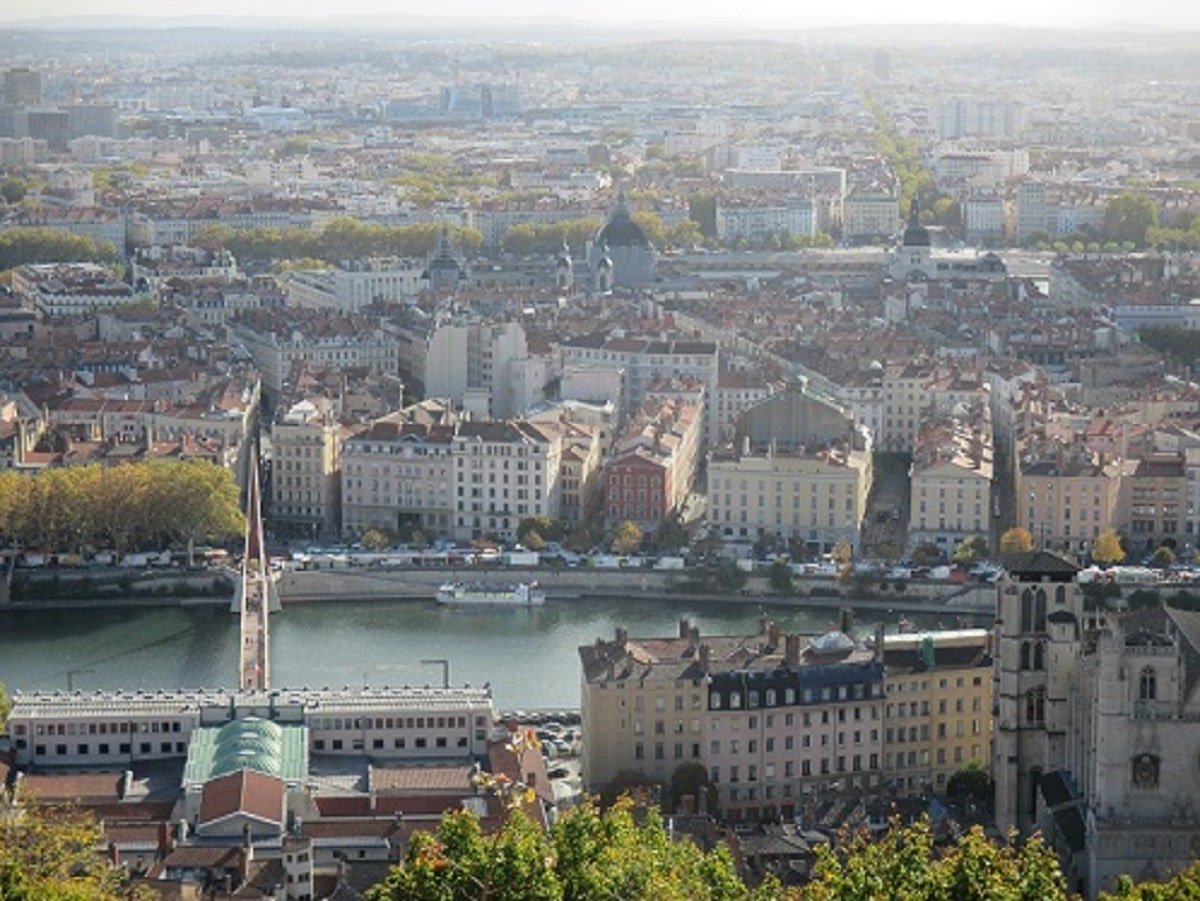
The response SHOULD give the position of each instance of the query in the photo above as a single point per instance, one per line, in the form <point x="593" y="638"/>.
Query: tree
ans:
<point x="670" y="534"/>
<point x="543" y="527"/>
<point x="781" y="578"/>
<point x="49" y="854"/>
<point x="842" y="552"/>
<point x="626" y="538"/>
<point x="5" y="707"/>
<point x="1016" y="540"/>
<point x="1163" y="556"/>
<point x="971" y="550"/>
<point x="926" y="554"/>
<point x="1183" y="887"/>
<point x="692" y="779"/>
<point x="1128" y="217"/>
<point x="587" y="854"/>
<point x="1107" y="550"/>
<point x="19" y="246"/>
<point x="903" y="864"/>
<point x="971" y="781"/>
<point x="375" y="540"/>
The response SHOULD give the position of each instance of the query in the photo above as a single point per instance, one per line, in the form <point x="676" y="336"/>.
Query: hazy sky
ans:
<point x="1158" y="14"/>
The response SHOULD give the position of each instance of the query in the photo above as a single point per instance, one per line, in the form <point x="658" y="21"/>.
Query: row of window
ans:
<point x="823" y="766"/>
<point x="771" y="698"/>
<point x="103" y="728"/>
<point x="734" y="745"/>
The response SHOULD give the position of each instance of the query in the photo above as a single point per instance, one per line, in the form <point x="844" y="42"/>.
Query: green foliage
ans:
<point x="1129" y="217"/>
<point x="781" y="578"/>
<point x="902" y="865"/>
<point x="926" y="554"/>
<point x="49" y="854"/>
<point x="670" y="535"/>
<point x="341" y="239"/>
<point x="1183" y="887"/>
<point x="19" y="246"/>
<point x="535" y="531"/>
<point x="529" y="238"/>
<point x="971" y="549"/>
<point x="626" y="538"/>
<point x="970" y="781"/>
<point x="132" y="506"/>
<point x="13" y="189"/>
<point x="1174" y="342"/>
<point x="691" y="779"/>
<point x="903" y="156"/>
<point x="375" y="540"/>
<point x="1163" y="556"/>
<point x="586" y="855"/>
<point x="5" y="707"/>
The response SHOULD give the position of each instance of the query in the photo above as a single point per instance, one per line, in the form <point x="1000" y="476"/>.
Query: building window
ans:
<point x="1148" y="685"/>
<point x="1035" y="707"/>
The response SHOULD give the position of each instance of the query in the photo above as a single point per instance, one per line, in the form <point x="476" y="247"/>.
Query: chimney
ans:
<point x="773" y="635"/>
<point x="126" y="784"/>
<point x="684" y="629"/>
<point x="622" y="635"/>
<point x="846" y="620"/>
<point x="879" y="642"/>
<point x="764" y="623"/>
<point x="791" y="654"/>
<point x="705" y="657"/>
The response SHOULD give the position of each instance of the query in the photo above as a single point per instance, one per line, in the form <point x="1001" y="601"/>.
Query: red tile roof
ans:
<point x="246" y="791"/>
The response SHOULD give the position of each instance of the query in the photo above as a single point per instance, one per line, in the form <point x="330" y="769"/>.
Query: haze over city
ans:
<point x="1155" y="15"/>
<point x="451" y="418"/>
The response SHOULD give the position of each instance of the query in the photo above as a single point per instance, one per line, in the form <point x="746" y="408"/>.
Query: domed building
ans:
<point x="622" y="251"/>
<point x="912" y="259"/>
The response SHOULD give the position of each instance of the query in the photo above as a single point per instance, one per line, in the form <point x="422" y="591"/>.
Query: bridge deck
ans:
<point x="254" y="671"/>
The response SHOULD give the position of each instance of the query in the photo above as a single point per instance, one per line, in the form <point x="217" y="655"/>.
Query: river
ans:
<point x="528" y="656"/>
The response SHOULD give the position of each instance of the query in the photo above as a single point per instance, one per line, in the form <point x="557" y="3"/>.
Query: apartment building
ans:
<point x="776" y="719"/>
<point x="353" y="285"/>
<point x="306" y="463"/>
<point x="464" y="358"/>
<point x="939" y="707"/>
<point x="1152" y="508"/>
<point x="1067" y="501"/>
<point x="951" y="481"/>
<point x="646" y="361"/>
<point x="504" y="471"/>
<point x="650" y="474"/>
<point x="870" y="214"/>
<point x="794" y="218"/>
<point x="70" y="289"/>
<point x="397" y="475"/>
<point x="818" y="498"/>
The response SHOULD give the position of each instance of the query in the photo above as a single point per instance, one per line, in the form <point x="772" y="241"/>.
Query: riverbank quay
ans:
<point x="565" y="585"/>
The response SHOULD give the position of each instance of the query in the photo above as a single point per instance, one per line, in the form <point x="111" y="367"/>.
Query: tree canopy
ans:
<point x="342" y="239"/>
<point x="1107" y="550"/>
<point x="971" y="549"/>
<point x="49" y="854"/>
<point x="19" y="246"/>
<point x="1129" y="217"/>
<point x="586" y="854"/>
<point x="626" y="538"/>
<point x="1016" y="540"/>
<point x="136" y="506"/>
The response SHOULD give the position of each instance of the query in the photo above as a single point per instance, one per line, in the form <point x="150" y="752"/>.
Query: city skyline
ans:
<point x="1157" y="15"/>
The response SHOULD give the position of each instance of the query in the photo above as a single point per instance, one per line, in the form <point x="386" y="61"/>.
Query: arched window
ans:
<point x="1060" y="594"/>
<point x="1039" y="611"/>
<point x="1035" y="707"/>
<point x="1027" y="610"/>
<point x="1148" y="685"/>
<point x="1026" y="658"/>
<point x="1039" y="655"/>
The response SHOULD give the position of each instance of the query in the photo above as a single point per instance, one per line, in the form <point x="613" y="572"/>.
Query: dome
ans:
<point x="621" y="230"/>
<point x="249" y="744"/>
<point x="832" y="643"/>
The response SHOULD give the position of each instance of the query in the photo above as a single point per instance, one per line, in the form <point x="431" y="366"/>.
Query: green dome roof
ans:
<point x="252" y="744"/>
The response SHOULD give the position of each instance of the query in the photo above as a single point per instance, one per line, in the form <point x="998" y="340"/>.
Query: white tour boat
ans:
<point x="474" y="594"/>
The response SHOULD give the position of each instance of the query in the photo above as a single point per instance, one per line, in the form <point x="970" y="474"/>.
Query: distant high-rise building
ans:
<point x="23" y="87"/>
